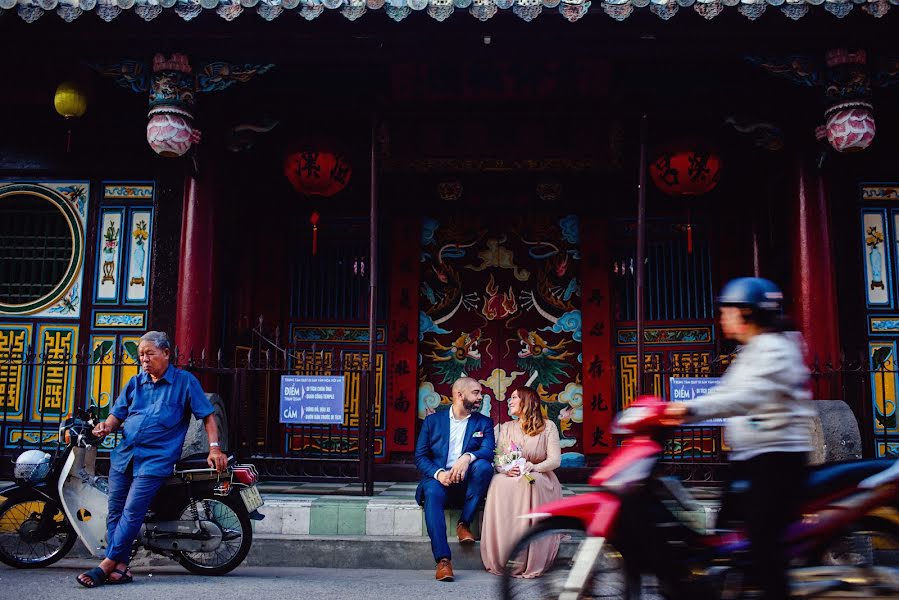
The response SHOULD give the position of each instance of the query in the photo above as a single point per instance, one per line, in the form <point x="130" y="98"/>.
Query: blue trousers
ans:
<point x="129" y="500"/>
<point x="469" y="494"/>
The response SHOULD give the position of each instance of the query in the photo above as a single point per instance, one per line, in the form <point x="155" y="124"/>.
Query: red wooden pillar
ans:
<point x="402" y="349"/>
<point x="198" y="291"/>
<point x="597" y="328"/>
<point x="814" y="279"/>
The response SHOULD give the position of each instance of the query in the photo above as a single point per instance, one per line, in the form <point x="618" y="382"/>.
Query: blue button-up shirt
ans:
<point x="156" y="416"/>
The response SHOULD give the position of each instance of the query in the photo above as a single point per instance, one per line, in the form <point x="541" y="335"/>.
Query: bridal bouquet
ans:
<point x="510" y="458"/>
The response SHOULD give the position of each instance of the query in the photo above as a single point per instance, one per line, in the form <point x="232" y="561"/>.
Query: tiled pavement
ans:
<point x="321" y="525"/>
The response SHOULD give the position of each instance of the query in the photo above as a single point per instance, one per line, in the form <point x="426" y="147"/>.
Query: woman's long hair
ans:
<point x="531" y="418"/>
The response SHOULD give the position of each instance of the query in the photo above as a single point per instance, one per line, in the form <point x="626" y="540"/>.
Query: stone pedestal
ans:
<point x="836" y="434"/>
<point x="196" y="441"/>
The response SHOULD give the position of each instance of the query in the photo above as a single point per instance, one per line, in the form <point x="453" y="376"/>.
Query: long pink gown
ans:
<point x="509" y="497"/>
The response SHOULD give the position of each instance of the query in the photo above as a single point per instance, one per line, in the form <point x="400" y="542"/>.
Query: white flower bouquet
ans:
<point x="510" y="458"/>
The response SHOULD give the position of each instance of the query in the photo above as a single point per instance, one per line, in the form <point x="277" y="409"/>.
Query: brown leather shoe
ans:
<point x="444" y="570"/>
<point x="464" y="533"/>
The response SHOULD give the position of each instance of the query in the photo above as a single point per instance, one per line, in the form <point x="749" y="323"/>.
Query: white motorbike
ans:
<point x="199" y="517"/>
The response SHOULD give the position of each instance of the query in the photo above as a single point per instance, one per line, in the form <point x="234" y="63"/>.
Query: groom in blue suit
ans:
<point x="454" y="455"/>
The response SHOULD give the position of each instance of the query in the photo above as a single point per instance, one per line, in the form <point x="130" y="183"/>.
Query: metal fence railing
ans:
<point x="37" y="391"/>
<point x="868" y="384"/>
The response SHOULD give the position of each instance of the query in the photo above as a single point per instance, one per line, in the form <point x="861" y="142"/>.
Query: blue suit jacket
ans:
<point x="432" y="447"/>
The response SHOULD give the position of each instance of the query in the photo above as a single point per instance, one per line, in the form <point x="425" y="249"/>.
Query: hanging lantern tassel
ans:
<point x="689" y="233"/>
<point x="313" y="218"/>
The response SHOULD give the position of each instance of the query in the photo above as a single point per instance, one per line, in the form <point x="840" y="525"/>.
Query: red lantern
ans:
<point x="316" y="172"/>
<point x="686" y="172"/>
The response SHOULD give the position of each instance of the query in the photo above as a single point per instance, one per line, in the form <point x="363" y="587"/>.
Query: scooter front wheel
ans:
<point x="230" y="515"/>
<point x="34" y="533"/>
<point x="608" y="579"/>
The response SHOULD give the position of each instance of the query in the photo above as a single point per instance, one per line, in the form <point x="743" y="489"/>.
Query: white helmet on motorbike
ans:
<point x="32" y="465"/>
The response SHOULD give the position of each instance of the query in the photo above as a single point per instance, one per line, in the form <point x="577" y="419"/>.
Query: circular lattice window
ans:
<point x="41" y="248"/>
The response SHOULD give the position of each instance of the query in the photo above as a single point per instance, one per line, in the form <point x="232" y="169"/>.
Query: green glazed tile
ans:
<point x="351" y="518"/>
<point x="323" y="519"/>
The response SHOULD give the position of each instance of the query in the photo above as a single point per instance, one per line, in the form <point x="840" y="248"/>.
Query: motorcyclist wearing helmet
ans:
<point x="764" y="394"/>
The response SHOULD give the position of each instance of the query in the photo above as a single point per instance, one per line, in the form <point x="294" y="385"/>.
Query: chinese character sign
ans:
<point x="684" y="389"/>
<point x="312" y="400"/>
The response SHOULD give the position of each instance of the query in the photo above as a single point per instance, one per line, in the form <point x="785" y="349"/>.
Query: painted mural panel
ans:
<point x="883" y="325"/>
<point x="130" y="363"/>
<point x="884" y="380"/>
<point x="877" y="259"/>
<point x="131" y="319"/>
<point x="339" y="439"/>
<point x="54" y="378"/>
<point x="889" y="449"/>
<point x="113" y="361"/>
<point x="128" y="191"/>
<point x="875" y="193"/>
<point x="500" y="302"/>
<point x="101" y="374"/>
<point x="668" y="336"/>
<point x="78" y="195"/>
<point x="15" y="340"/>
<point x="70" y="199"/>
<point x="137" y="280"/>
<point x="109" y="255"/>
<point x="627" y="377"/>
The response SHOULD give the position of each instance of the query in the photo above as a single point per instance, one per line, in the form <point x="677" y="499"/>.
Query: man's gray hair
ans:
<point x="159" y="338"/>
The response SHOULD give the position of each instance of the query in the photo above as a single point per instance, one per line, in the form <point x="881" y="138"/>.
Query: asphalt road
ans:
<point x="262" y="583"/>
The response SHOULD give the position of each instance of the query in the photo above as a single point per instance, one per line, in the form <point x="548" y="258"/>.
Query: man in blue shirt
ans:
<point x="153" y="412"/>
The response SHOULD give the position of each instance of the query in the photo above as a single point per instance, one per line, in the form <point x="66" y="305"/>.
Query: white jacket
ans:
<point x="765" y="394"/>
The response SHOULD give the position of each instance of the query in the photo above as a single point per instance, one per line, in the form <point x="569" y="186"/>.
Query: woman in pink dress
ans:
<point x="511" y="494"/>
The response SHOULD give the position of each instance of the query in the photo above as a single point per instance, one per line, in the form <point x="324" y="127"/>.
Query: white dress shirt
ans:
<point x="456" y="437"/>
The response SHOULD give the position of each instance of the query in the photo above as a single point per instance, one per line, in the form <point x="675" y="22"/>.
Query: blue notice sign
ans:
<point x="312" y="399"/>
<point x="684" y="389"/>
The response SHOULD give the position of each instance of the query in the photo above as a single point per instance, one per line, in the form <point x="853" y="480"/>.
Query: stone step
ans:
<point x="289" y="515"/>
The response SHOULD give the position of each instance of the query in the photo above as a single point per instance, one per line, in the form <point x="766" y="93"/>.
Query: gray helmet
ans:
<point x="32" y="465"/>
<point x="754" y="293"/>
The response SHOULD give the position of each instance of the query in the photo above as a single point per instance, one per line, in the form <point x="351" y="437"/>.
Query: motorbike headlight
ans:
<point x="32" y="466"/>
<point x="634" y="473"/>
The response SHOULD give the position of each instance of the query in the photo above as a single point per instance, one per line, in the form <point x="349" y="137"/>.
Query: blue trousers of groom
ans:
<point x="467" y="494"/>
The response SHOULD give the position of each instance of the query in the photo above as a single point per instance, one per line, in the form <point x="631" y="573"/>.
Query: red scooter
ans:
<point x="846" y="544"/>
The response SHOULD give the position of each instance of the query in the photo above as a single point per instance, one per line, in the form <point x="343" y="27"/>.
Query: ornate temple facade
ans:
<point x="451" y="196"/>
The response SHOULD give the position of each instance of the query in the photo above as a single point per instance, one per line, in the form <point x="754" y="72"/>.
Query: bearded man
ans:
<point x="454" y="454"/>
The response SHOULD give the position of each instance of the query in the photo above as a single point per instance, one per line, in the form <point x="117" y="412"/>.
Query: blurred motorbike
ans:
<point x="846" y="544"/>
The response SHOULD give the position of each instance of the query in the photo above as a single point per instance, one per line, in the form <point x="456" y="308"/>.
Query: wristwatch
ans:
<point x="213" y="444"/>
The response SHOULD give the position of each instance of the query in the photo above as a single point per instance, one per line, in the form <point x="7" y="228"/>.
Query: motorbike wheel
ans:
<point x="609" y="579"/>
<point x="230" y="514"/>
<point x="872" y="542"/>
<point x="863" y="559"/>
<point x="25" y="543"/>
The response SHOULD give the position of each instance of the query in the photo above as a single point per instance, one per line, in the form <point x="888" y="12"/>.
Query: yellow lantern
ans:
<point x="69" y="100"/>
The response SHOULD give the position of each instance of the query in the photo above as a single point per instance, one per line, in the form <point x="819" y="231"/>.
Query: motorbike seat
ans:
<point x="196" y="462"/>
<point x="824" y="480"/>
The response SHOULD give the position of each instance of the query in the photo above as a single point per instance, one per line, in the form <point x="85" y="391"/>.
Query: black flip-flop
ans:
<point x="124" y="577"/>
<point x="97" y="577"/>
